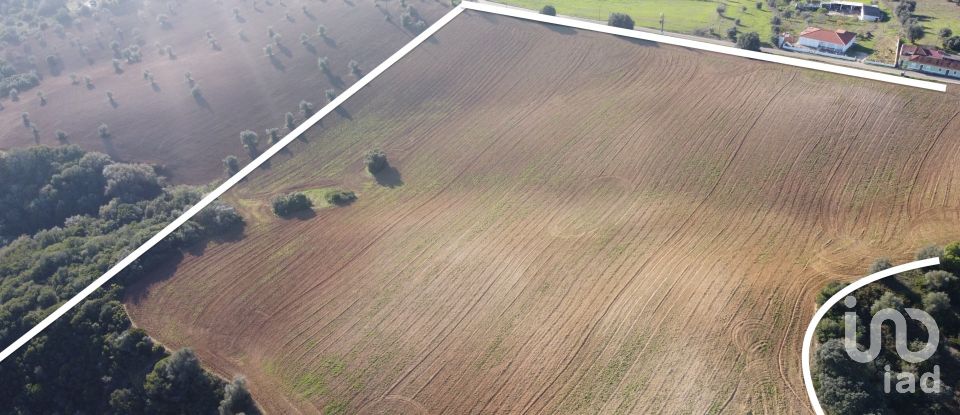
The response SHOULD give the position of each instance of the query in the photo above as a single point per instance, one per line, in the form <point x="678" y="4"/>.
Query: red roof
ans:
<point x="941" y="62"/>
<point x="914" y="50"/>
<point x="837" y="37"/>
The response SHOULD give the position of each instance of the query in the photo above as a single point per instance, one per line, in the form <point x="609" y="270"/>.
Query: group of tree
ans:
<point x="67" y="216"/>
<point x="290" y="204"/>
<point x="846" y="386"/>
<point x="13" y="82"/>
<point x="410" y="19"/>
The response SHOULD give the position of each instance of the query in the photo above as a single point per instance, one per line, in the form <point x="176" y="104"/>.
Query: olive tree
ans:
<point x="103" y="131"/>
<point x="749" y="41"/>
<point x="354" y="68"/>
<point x="231" y="165"/>
<point x="375" y="160"/>
<point x="249" y="139"/>
<point x="621" y="20"/>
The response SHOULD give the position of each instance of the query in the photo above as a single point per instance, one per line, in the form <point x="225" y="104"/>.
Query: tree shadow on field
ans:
<point x="341" y="111"/>
<point x="301" y="215"/>
<point x="640" y="42"/>
<point x="330" y="42"/>
<point x="285" y="50"/>
<point x="277" y="64"/>
<point x="563" y="30"/>
<point x="202" y="102"/>
<point x="389" y="177"/>
<point x="310" y="48"/>
<point x="334" y="79"/>
<point x="155" y="87"/>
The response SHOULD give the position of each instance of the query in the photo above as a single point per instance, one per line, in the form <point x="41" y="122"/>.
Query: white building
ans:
<point x="832" y="41"/>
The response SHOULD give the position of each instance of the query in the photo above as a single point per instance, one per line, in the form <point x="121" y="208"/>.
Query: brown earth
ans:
<point x="241" y="87"/>
<point x="576" y="223"/>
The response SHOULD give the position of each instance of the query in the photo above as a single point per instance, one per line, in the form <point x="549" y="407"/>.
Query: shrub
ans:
<point x="289" y="121"/>
<point x="61" y="136"/>
<point x="953" y="43"/>
<point x="749" y="41"/>
<point x="945" y="33"/>
<point x="548" y="10"/>
<point x="939" y="280"/>
<point x="289" y="204"/>
<point x="375" y="160"/>
<point x="880" y="264"/>
<point x="931" y="251"/>
<point x="273" y="135"/>
<point x="887" y="300"/>
<point x="250" y="141"/>
<point x="322" y="31"/>
<point x="936" y="303"/>
<point x="330" y="94"/>
<point x="354" y="68"/>
<point x="340" y="197"/>
<point x="306" y="109"/>
<point x="25" y="118"/>
<point x="951" y="257"/>
<point x="231" y="165"/>
<point x="721" y="9"/>
<point x="759" y="5"/>
<point x="732" y="34"/>
<point x="236" y="398"/>
<point x="103" y="131"/>
<point x="14" y="94"/>
<point x="620" y="20"/>
<point x="324" y="64"/>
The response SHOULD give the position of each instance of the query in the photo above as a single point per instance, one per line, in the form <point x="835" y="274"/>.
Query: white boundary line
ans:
<point x="711" y="47"/>
<point x="822" y="311"/>
<point x="228" y="184"/>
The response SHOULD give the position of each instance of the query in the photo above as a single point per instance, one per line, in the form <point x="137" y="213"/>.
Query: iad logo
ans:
<point x="906" y="381"/>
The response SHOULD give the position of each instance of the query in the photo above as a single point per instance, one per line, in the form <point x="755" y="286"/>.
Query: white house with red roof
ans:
<point x="833" y="41"/>
<point x="929" y="60"/>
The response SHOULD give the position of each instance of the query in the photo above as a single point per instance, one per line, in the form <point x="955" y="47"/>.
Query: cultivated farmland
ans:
<point x="571" y="222"/>
<point x="162" y="121"/>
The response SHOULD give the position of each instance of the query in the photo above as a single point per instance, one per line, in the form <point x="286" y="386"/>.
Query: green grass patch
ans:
<point x="329" y="196"/>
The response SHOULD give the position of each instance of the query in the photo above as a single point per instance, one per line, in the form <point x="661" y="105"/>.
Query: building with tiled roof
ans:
<point x="834" y="41"/>
<point x="929" y="60"/>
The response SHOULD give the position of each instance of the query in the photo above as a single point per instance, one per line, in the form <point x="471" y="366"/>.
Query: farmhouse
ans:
<point x="816" y="41"/>
<point x="929" y="60"/>
<point x="830" y="41"/>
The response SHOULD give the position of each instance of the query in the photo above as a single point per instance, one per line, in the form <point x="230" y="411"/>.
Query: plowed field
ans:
<point x="242" y="88"/>
<point x="576" y="223"/>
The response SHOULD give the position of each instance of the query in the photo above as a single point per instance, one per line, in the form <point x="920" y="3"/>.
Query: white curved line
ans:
<point x="822" y="311"/>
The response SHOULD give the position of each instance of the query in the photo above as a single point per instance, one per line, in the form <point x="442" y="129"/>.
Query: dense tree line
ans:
<point x="846" y="386"/>
<point x="92" y="360"/>
<point x="13" y="80"/>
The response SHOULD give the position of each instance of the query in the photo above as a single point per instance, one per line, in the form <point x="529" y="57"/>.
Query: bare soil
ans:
<point x="573" y="223"/>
